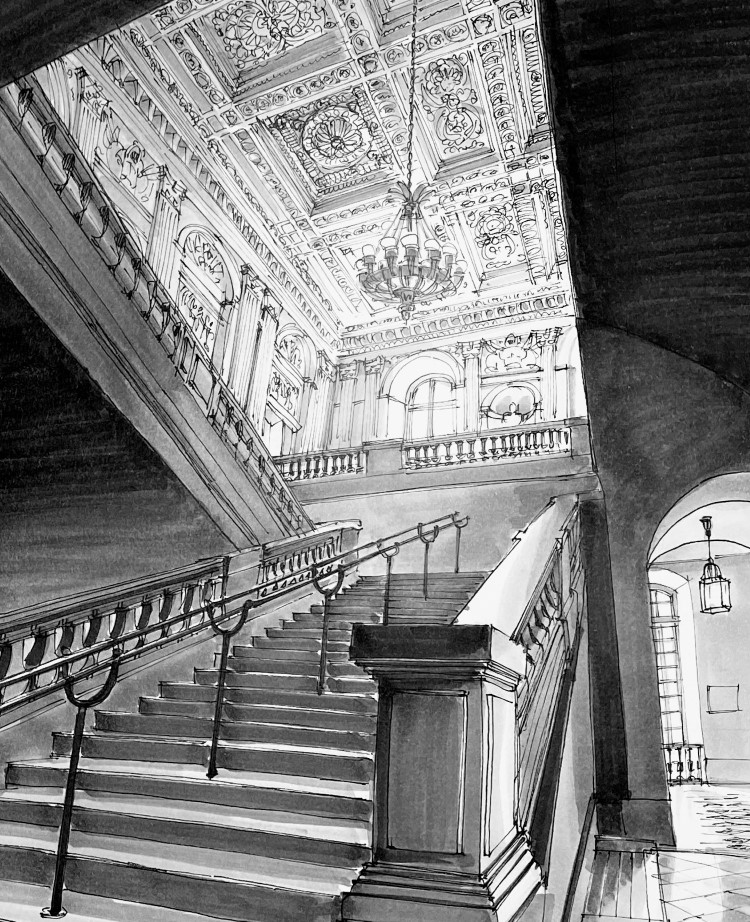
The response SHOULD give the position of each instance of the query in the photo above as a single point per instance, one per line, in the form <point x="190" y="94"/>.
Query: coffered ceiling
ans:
<point x="307" y="101"/>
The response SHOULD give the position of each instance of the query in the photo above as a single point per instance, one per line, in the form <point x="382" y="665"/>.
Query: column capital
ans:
<point x="373" y="366"/>
<point x="326" y="368"/>
<point x="173" y="191"/>
<point x="349" y="370"/>
<point x="471" y="350"/>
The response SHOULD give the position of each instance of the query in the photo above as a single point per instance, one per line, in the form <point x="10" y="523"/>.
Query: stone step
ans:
<point x="301" y="644"/>
<point x="245" y="790"/>
<point x="23" y="902"/>
<point x="266" y="663"/>
<point x="232" y="829"/>
<point x="297" y="716"/>
<point x="365" y="703"/>
<point x="201" y="728"/>
<point x="281" y="681"/>
<point x="292" y="629"/>
<point x="247" y="756"/>
<point x="308" y="666"/>
<point x="198" y="880"/>
<point x="344" y="615"/>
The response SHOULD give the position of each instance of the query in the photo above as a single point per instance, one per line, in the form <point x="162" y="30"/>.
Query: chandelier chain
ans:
<point x="412" y="86"/>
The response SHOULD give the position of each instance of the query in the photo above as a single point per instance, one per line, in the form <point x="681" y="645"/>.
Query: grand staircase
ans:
<point x="277" y="836"/>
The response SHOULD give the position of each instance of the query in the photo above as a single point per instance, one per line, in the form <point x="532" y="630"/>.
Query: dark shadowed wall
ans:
<point x="84" y="501"/>
<point x="650" y="100"/>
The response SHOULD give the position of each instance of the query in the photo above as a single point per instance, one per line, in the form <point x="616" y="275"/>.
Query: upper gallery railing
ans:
<point x="533" y="441"/>
<point x="76" y="185"/>
<point x="333" y="463"/>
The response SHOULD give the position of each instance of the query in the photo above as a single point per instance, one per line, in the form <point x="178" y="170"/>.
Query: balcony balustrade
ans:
<point x="684" y="763"/>
<point x="487" y="447"/>
<point x="322" y="464"/>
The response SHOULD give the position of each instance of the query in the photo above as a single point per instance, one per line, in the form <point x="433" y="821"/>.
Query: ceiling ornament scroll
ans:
<point x="252" y="31"/>
<point x="450" y="102"/>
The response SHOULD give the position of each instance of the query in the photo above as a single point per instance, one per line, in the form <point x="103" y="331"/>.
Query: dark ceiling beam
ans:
<point x="35" y="32"/>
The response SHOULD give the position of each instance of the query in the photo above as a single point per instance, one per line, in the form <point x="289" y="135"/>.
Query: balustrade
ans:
<point x="76" y="185"/>
<point x="684" y="763"/>
<point x="323" y="464"/>
<point x="500" y="445"/>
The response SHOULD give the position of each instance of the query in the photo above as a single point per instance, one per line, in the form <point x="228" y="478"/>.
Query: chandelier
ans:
<point x="713" y="588"/>
<point x="410" y="266"/>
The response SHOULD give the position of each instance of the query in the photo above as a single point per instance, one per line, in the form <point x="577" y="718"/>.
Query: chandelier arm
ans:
<point x="412" y="86"/>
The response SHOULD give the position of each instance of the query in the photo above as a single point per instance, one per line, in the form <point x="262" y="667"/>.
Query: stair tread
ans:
<point x="229" y="817"/>
<point x="22" y="902"/>
<point x="196" y="773"/>
<point x="204" y="723"/>
<point x="184" y="860"/>
<point x="237" y="745"/>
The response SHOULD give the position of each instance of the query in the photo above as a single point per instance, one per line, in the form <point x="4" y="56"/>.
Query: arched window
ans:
<point x="664" y="625"/>
<point x="205" y="287"/>
<point x="431" y="409"/>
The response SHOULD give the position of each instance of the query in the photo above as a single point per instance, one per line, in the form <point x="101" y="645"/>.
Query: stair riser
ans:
<point x="364" y="704"/>
<point x="201" y="729"/>
<point x="199" y="835"/>
<point x="259" y="680"/>
<point x="178" y="789"/>
<point x="225" y="899"/>
<point x="246" y="664"/>
<point x="272" y="666"/>
<point x="320" y="718"/>
<point x="306" y="645"/>
<point x="314" y="765"/>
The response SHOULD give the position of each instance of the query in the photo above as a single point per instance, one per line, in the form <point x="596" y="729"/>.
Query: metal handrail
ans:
<point x="219" y="612"/>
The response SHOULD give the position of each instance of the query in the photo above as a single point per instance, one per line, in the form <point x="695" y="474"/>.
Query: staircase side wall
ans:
<point x="86" y="502"/>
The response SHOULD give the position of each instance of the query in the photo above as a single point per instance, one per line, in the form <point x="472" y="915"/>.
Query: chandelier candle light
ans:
<point x="410" y="266"/>
<point x="713" y="588"/>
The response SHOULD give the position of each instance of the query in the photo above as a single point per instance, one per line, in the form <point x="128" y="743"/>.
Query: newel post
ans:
<point x="446" y="846"/>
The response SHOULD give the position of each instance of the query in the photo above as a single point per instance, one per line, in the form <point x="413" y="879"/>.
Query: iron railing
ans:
<point x="320" y="560"/>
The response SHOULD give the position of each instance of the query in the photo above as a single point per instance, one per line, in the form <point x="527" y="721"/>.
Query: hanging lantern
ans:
<point x="713" y="588"/>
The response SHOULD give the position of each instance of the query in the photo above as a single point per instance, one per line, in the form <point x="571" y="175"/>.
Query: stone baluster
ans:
<point x="162" y="252"/>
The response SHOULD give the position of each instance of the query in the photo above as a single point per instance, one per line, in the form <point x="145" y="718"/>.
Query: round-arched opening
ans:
<point x="699" y="588"/>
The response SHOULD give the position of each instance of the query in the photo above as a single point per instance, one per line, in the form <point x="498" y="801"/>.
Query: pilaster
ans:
<point x="162" y="253"/>
<point x="245" y="336"/>
<point x="87" y="114"/>
<point x="471" y="353"/>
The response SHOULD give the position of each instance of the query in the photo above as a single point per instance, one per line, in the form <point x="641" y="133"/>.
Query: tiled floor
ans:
<point x="710" y="816"/>
<point x="709" y="887"/>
